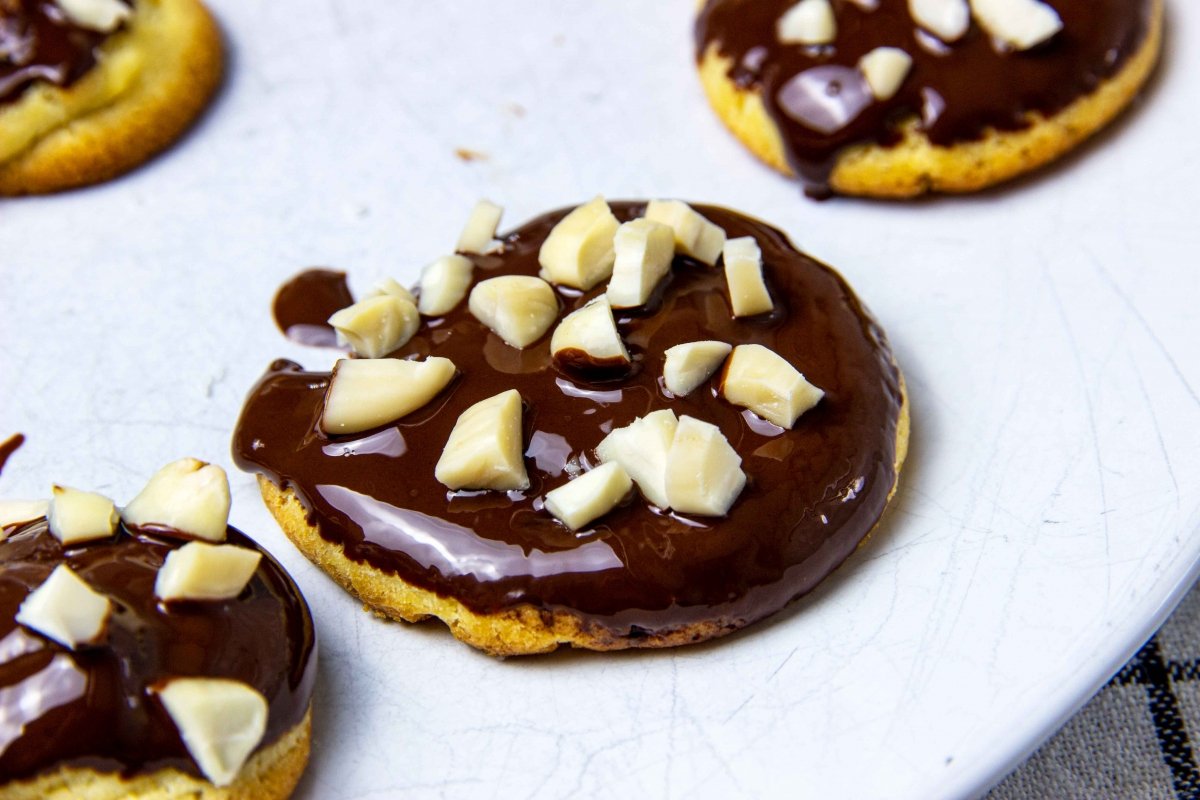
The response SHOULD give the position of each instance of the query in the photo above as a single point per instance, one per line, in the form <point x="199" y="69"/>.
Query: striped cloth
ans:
<point x="1134" y="739"/>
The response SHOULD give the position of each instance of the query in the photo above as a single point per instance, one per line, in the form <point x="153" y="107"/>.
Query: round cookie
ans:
<point x="89" y="718"/>
<point x="503" y="573"/>
<point x="967" y="114"/>
<point x="80" y="106"/>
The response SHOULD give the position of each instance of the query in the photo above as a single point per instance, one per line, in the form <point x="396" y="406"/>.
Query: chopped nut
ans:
<point x="644" y="249"/>
<point x="579" y="251"/>
<point x="104" y="16"/>
<point x="220" y="721"/>
<point x="199" y="571"/>
<point x="704" y="474"/>
<point x="18" y="512"/>
<point x="477" y="237"/>
<point x="761" y="380"/>
<point x="946" y="19"/>
<point x="77" y="516"/>
<point x="641" y="449"/>
<point x="376" y="326"/>
<point x="695" y="236"/>
<point x="688" y="365"/>
<point x="807" y="22"/>
<point x="64" y="608"/>
<point x="593" y="494"/>
<point x="1020" y="24"/>
<point x="517" y="308"/>
<point x="484" y="450"/>
<point x="393" y="287"/>
<point x="186" y="498"/>
<point x="885" y="69"/>
<point x="744" y="276"/>
<point x="365" y="393"/>
<point x="587" y="338"/>
<point x="444" y="284"/>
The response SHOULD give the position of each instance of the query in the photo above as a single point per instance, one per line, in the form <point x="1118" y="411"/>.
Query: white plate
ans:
<point x="1047" y="518"/>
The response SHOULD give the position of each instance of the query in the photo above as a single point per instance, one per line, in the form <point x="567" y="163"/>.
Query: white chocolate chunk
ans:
<point x="644" y="251"/>
<point x="187" y="498"/>
<point x="393" y="287"/>
<point x="18" y="512"/>
<point x="96" y="15"/>
<point x="64" y="608"/>
<point x="1020" y="24"/>
<point x="199" y="571"/>
<point x="444" y="284"/>
<point x="375" y="326"/>
<point x="763" y="381"/>
<point x="885" y="69"/>
<point x="641" y="449"/>
<point x="690" y="364"/>
<point x="77" y="516"/>
<point x="484" y="450"/>
<point x="593" y="494"/>
<point x="946" y="19"/>
<point x="748" y="293"/>
<point x="221" y="722"/>
<point x="704" y="474"/>
<point x="477" y="237"/>
<point x="517" y="308"/>
<point x="807" y="22"/>
<point x="579" y="250"/>
<point x="365" y="393"/>
<point x="588" y="337"/>
<point x="695" y="236"/>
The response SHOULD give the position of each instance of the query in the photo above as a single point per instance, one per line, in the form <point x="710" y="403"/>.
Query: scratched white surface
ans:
<point x="1047" y="519"/>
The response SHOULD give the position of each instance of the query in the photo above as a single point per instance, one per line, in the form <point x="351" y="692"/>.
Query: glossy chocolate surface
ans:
<point x="821" y="103"/>
<point x="303" y="306"/>
<point x="93" y="708"/>
<point x="813" y="493"/>
<point x="39" y="43"/>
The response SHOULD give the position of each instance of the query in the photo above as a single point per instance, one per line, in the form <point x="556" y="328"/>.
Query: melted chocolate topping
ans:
<point x="304" y="304"/>
<point x="956" y="91"/>
<point x="39" y="43"/>
<point x="10" y="446"/>
<point x="92" y="708"/>
<point x="813" y="493"/>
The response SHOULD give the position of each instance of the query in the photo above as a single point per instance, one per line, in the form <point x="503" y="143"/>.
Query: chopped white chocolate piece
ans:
<point x="199" y="571"/>
<point x="1020" y="24"/>
<point x="593" y="494"/>
<point x="18" y="512"/>
<point x="365" y="393"/>
<point x="807" y="22"/>
<point x="641" y="449"/>
<point x="946" y="19"/>
<point x="444" y="284"/>
<point x="579" y="250"/>
<point x="695" y="236"/>
<point x="375" y="326"/>
<point x="64" y="608"/>
<point x="393" y="287"/>
<point x="76" y="516"/>
<point x="704" y="474"/>
<point x="690" y="364"/>
<point x="221" y="722"/>
<point x="748" y="293"/>
<point x="186" y="498"/>
<point x="763" y="381"/>
<point x="885" y="69"/>
<point x="517" y="308"/>
<point x="484" y="450"/>
<point x="96" y="15"/>
<point x="588" y="337"/>
<point x="644" y="251"/>
<point x="477" y="237"/>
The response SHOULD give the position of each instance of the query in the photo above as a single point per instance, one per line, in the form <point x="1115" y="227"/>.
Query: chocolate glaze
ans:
<point x="92" y="708"/>
<point x="39" y="43"/>
<point x="10" y="446"/>
<point x="957" y="91"/>
<point x="814" y="492"/>
<point x="303" y="305"/>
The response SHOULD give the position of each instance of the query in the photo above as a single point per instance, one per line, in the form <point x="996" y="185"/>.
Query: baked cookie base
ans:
<point x="915" y="166"/>
<point x="181" y="64"/>
<point x="271" y="774"/>
<point x="522" y="630"/>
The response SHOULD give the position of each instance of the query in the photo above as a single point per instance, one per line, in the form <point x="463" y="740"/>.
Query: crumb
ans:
<point x="470" y="155"/>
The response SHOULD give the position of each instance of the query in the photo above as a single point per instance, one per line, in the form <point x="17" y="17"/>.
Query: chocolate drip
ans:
<point x="10" y="446"/>
<point x="304" y="304"/>
<point x="954" y="91"/>
<point x="814" y="492"/>
<point x="92" y="708"/>
<point x="39" y="43"/>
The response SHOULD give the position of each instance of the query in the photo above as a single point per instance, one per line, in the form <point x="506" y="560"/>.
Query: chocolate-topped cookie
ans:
<point x="895" y="98"/>
<point x="636" y="425"/>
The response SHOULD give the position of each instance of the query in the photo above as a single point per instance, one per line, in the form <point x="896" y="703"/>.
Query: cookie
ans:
<point x="896" y="99"/>
<point x="558" y="456"/>
<point x="153" y="652"/>
<point x="82" y="103"/>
